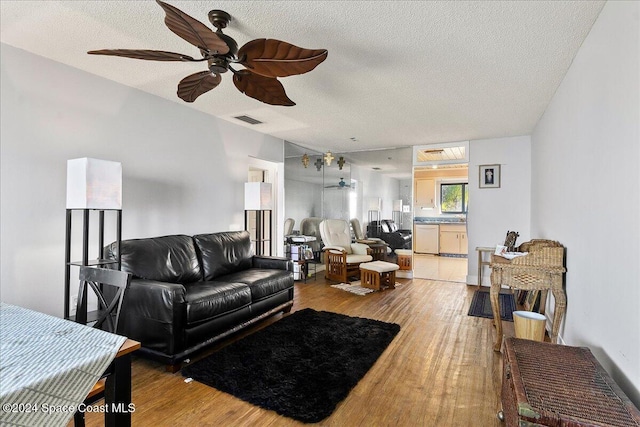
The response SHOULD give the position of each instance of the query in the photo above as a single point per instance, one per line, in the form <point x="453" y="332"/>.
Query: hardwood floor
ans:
<point x="440" y="370"/>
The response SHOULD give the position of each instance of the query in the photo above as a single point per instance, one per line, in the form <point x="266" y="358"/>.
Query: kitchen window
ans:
<point x="454" y="197"/>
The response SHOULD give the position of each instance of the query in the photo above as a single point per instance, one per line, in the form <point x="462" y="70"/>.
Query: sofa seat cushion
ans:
<point x="262" y="282"/>
<point x="207" y="300"/>
<point x="355" y="259"/>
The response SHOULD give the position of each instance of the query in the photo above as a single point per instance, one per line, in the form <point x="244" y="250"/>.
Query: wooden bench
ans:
<point x="545" y="384"/>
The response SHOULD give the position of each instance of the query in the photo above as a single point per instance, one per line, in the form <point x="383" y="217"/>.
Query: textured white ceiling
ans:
<point x="398" y="73"/>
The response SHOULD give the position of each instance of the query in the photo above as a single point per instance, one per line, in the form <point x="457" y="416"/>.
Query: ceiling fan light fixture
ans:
<point x="264" y="59"/>
<point x="218" y="65"/>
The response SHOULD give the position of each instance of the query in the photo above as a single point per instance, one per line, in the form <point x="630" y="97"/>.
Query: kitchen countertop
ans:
<point x="430" y="220"/>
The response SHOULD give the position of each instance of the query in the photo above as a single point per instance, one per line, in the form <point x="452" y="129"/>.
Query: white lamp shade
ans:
<point x="94" y="184"/>
<point x="257" y="196"/>
<point x="397" y="205"/>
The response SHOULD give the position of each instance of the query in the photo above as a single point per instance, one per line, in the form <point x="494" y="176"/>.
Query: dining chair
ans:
<point x="109" y="287"/>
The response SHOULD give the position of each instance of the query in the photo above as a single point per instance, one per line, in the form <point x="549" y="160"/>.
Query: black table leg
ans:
<point x="118" y="394"/>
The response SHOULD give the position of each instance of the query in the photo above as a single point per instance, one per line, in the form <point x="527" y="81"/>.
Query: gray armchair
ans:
<point x="311" y="227"/>
<point x="288" y="226"/>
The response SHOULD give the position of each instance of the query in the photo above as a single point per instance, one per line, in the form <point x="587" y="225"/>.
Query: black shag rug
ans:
<point x="481" y="305"/>
<point x="301" y="366"/>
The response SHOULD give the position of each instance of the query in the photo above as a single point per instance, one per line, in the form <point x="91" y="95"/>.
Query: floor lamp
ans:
<point x="92" y="185"/>
<point x="257" y="215"/>
<point x="397" y="212"/>
<point x="375" y="204"/>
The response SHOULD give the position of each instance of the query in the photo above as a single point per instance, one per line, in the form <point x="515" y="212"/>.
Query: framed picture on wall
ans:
<point x="489" y="176"/>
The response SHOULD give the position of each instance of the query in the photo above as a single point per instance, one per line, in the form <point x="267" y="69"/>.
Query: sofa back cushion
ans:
<point x="393" y="227"/>
<point x="224" y="253"/>
<point x="166" y="259"/>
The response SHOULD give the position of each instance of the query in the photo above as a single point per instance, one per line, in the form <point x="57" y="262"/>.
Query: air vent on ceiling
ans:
<point x="248" y="119"/>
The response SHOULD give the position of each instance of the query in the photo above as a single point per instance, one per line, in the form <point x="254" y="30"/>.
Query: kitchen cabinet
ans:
<point x="426" y="237"/>
<point x="453" y="239"/>
<point x="425" y="193"/>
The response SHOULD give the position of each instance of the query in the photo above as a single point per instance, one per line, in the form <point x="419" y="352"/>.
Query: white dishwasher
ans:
<point x="426" y="238"/>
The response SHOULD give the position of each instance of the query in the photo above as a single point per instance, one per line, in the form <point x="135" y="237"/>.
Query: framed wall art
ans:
<point x="489" y="176"/>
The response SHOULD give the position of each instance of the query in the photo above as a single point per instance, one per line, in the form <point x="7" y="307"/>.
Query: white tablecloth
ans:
<point x="48" y="365"/>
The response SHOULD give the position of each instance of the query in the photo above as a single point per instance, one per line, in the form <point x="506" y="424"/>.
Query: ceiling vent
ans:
<point x="248" y="119"/>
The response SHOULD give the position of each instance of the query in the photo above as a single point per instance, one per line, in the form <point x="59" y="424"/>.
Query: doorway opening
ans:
<point x="440" y="240"/>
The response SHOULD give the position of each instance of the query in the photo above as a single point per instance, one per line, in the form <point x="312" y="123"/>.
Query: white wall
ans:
<point x="586" y="192"/>
<point x="183" y="171"/>
<point x="372" y="184"/>
<point x="494" y="211"/>
<point x="406" y="194"/>
<point x="302" y="200"/>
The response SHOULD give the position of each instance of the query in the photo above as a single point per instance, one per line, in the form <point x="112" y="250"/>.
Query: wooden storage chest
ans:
<point x="546" y="384"/>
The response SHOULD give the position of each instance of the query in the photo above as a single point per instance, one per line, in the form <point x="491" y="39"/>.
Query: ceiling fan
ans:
<point x="264" y="59"/>
<point x="341" y="184"/>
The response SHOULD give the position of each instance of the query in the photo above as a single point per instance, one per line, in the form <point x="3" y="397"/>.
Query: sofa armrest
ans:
<point x="334" y="248"/>
<point x="272" y="262"/>
<point x="154" y="313"/>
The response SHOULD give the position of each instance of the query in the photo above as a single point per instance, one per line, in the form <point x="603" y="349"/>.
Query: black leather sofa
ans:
<point x="188" y="292"/>
<point x="388" y="231"/>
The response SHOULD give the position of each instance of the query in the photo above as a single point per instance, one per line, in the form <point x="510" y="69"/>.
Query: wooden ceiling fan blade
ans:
<point x="192" y="30"/>
<point x="265" y="89"/>
<point x="194" y="85"/>
<point x="150" y="55"/>
<point x="275" y="58"/>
